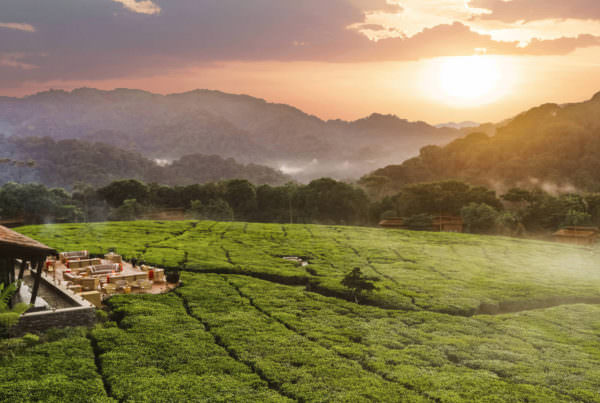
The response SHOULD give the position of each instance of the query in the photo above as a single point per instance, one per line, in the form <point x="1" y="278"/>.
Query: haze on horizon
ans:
<point x="434" y="60"/>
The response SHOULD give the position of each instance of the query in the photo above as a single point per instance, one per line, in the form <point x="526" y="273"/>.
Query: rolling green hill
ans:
<point x="455" y="317"/>
<point x="552" y="146"/>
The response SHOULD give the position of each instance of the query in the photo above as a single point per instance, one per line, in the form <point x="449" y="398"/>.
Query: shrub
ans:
<point x="9" y="316"/>
<point x="31" y="339"/>
<point x="101" y="316"/>
<point x="173" y="277"/>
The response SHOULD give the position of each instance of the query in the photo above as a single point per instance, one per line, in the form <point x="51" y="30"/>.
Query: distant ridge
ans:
<point x="208" y="122"/>
<point x="553" y="147"/>
<point x="65" y="163"/>
<point x="459" y="125"/>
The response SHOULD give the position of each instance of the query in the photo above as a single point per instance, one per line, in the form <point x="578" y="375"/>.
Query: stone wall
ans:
<point x="36" y="322"/>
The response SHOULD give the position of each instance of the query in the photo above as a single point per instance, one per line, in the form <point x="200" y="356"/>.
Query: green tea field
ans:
<point x="454" y="318"/>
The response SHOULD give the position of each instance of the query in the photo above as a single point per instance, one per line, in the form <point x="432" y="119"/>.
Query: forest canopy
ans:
<point x="65" y="163"/>
<point x="555" y="147"/>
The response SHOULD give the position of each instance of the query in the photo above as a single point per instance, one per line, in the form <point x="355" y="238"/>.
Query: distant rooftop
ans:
<point x="577" y="232"/>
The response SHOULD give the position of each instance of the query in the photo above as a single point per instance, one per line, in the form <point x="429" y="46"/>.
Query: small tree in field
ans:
<point x="358" y="283"/>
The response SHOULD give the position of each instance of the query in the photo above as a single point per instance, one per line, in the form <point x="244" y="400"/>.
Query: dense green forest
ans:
<point x="68" y="162"/>
<point x="551" y="146"/>
<point x="322" y="201"/>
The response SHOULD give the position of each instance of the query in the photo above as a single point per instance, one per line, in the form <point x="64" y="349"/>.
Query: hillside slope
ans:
<point x="451" y="273"/>
<point x="248" y="325"/>
<point x="65" y="163"/>
<point x="211" y="122"/>
<point x="554" y="146"/>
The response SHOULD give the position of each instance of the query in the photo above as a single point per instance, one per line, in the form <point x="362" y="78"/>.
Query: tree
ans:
<point x="130" y="210"/>
<point x="439" y="198"/>
<point x="593" y="207"/>
<point x="119" y="191"/>
<point x="326" y="200"/>
<point x="273" y="203"/>
<point x="376" y="185"/>
<point x="241" y="196"/>
<point x="357" y="283"/>
<point x="387" y="214"/>
<point x="479" y="218"/>
<point x="212" y="210"/>
<point x="85" y="197"/>
<point x="577" y="218"/>
<point x="508" y="223"/>
<point x="518" y="195"/>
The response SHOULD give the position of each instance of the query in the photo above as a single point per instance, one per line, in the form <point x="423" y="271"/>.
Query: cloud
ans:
<point x="547" y="29"/>
<point x="85" y="40"/>
<point x="458" y="39"/>
<point x="390" y="6"/>
<point x="561" y="46"/>
<point x="15" y="61"/>
<point x="19" y="26"/>
<point x="140" y="6"/>
<point x="531" y="10"/>
<point x="415" y="16"/>
<point x="519" y="21"/>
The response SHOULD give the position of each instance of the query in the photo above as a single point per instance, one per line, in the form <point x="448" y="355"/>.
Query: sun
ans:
<point x="466" y="80"/>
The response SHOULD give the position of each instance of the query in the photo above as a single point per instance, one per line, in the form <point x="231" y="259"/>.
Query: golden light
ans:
<point x="468" y="78"/>
<point x="467" y="81"/>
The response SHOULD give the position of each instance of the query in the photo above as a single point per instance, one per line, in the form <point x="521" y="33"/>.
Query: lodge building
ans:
<point x="442" y="223"/>
<point x="577" y="235"/>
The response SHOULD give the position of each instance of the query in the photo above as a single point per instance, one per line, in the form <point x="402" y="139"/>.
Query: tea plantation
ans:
<point x="455" y="318"/>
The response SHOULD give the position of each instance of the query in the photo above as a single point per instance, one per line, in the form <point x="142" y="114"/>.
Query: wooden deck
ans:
<point x="129" y="274"/>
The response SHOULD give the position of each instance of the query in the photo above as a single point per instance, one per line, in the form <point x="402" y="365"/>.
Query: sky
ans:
<point x="432" y="60"/>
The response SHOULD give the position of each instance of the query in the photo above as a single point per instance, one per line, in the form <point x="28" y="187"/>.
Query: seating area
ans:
<point x="83" y="263"/>
<point x="96" y="279"/>
<point x="78" y="255"/>
<point x="100" y="269"/>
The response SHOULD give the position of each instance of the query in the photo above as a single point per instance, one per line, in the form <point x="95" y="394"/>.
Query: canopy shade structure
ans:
<point x="17" y="246"/>
<point x="17" y="250"/>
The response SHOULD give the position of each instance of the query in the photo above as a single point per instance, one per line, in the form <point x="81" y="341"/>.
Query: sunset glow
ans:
<point x="434" y="60"/>
<point x="469" y="79"/>
<point x="300" y="201"/>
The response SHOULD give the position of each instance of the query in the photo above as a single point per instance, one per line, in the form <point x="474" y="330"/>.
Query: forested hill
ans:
<point x="248" y="129"/>
<point x="552" y="146"/>
<point x="67" y="162"/>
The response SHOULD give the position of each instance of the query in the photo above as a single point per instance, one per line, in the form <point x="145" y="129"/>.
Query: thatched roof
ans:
<point x="15" y="245"/>
<point x="577" y="232"/>
<point x="436" y="221"/>
<point x="392" y="222"/>
<point x="446" y="219"/>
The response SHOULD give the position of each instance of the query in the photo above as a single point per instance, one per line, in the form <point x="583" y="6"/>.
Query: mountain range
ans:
<point x="65" y="163"/>
<point x="555" y="147"/>
<point x="250" y="130"/>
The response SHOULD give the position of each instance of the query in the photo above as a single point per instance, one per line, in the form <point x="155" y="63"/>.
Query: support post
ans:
<point x="5" y="277"/>
<point x="11" y="270"/>
<point x="39" y="264"/>
<point x="22" y="267"/>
